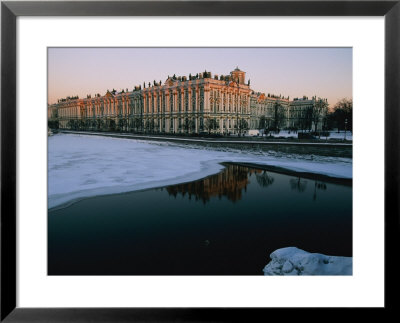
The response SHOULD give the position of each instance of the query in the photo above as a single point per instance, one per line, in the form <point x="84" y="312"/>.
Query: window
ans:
<point x="193" y="99"/>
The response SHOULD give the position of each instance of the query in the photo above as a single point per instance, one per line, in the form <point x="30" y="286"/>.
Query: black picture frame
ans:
<point x="10" y="10"/>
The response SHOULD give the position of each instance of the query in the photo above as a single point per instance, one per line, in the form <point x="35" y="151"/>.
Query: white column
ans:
<point x="206" y="101"/>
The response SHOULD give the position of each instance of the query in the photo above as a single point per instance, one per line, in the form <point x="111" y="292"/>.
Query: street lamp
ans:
<point x="345" y="128"/>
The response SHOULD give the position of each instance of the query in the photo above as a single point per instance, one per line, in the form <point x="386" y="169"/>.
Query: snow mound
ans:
<point x="294" y="261"/>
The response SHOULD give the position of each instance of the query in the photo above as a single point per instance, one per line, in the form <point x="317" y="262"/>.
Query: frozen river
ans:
<point x="83" y="166"/>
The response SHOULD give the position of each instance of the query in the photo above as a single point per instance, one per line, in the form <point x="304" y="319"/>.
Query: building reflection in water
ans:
<point x="318" y="186"/>
<point x="298" y="184"/>
<point x="264" y="179"/>
<point x="230" y="183"/>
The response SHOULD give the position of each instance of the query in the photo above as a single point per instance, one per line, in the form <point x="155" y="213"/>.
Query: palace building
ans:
<point x="272" y="109"/>
<point x="222" y="104"/>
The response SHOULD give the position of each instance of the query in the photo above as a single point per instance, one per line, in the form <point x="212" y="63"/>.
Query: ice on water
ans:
<point x="83" y="165"/>
<point x="293" y="261"/>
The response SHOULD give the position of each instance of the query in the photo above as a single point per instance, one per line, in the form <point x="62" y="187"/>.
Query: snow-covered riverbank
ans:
<point x="82" y="166"/>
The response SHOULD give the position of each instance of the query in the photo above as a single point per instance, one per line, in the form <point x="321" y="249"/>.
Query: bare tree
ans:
<point x="210" y="124"/>
<point x="264" y="123"/>
<point x="342" y="112"/>
<point x="279" y="116"/>
<point x="243" y="125"/>
<point x="319" y="110"/>
<point x="188" y="125"/>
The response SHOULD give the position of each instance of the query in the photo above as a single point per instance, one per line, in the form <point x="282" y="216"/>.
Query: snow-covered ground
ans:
<point x="294" y="261"/>
<point x="332" y="135"/>
<point x="83" y="165"/>
<point x="340" y="135"/>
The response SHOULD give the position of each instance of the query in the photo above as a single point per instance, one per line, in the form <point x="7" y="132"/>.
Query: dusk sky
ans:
<point x="294" y="72"/>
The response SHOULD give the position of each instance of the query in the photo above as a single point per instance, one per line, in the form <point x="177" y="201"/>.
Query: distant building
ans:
<point x="307" y="114"/>
<point x="268" y="111"/>
<point x="277" y="112"/>
<point x="222" y="104"/>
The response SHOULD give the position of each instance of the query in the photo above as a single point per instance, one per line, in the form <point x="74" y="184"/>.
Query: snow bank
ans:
<point x="83" y="165"/>
<point x="291" y="134"/>
<point x="341" y="135"/>
<point x="294" y="261"/>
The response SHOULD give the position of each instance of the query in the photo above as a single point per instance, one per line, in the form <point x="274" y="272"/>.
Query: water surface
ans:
<point x="225" y="224"/>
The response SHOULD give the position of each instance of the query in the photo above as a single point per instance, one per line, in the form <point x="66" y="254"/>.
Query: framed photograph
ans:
<point x="183" y="160"/>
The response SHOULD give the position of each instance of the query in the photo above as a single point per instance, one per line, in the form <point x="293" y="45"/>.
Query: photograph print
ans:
<point x="200" y="161"/>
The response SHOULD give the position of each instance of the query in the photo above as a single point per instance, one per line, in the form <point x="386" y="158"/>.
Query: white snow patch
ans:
<point x="294" y="261"/>
<point x="84" y="165"/>
<point x="341" y="135"/>
<point x="292" y="134"/>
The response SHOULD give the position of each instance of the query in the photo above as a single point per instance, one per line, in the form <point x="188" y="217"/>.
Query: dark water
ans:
<point x="225" y="224"/>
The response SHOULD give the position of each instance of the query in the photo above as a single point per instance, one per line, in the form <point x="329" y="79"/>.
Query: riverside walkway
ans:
<point x="316" y="146"/>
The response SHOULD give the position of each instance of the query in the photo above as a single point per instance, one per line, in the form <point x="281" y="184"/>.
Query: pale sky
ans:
<point x="294" y="72"/>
